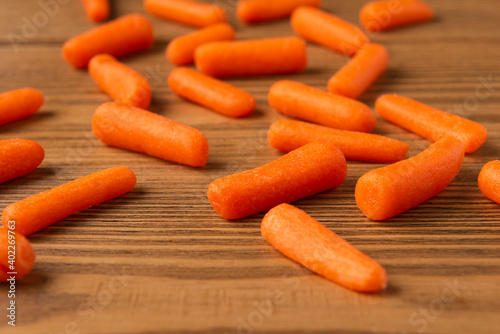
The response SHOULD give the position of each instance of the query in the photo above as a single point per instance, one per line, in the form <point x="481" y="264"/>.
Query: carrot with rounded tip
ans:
<point x="97" y="10"/>
<point x="308" y="170"/>
<point x="120" y="81"/>
<point x="388" y="191"/>
<point x="430" y="123"/>
<point x="266" y="56"/>
<point x="360" y="72"/>
<point x="17" y="257"/>
<point x="489" y="180"/>
<point x="189" y="12"/>
<point x="18" y="104"/>
<point x="121" y="37"/>
<point x="328" y="30"/>
<point x="123" y="126"/>
<point x="303" y="239"/>
<point x="19" y="157"/>
<point x="253" y="11"/>
<point x="315" y="105"/>
<point x="41" y="210"/>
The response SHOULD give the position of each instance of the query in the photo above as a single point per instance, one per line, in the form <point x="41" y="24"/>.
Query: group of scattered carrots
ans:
<point x="316" y="153"/>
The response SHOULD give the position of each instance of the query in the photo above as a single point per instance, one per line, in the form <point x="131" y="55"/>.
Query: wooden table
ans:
<point x="160" y="260"/>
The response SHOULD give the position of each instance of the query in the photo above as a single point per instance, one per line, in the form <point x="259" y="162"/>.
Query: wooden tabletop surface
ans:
<point x="160" y="260"/>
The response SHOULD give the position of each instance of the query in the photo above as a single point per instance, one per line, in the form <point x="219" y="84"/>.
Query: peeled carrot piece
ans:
<point x="489" y="180"/>
<point x="253" y="11"/>
<point x="134" y="129"/>
<point x="18" y="104"/>
<point x="252" y="57"/>
<point x="15" y="245"/>
<point x="119" y="81"/>
<point x="360" y="72"/>
<point x="189" y="12"/>
<point x="97" y="10"/>
<point x="287" y="135"/>
<point x="382" y="15"/>
<point x="308" y="170"/>
<point x="430" y="123"/>
<point x="211" y="93"/>
<point x="180" y="51"/>
<point x="328" y="30"/>
<point x="312" y="104"/>
<point x="121" y="37"/>
<point x="306" y="241"/>
<point x="388" y="191"/>
<point x="19" y="157"/>
<point x="41" y="210"/>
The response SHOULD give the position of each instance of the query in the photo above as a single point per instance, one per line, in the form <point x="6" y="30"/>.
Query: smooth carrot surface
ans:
<point x="489" y="180"/>
<point x="41" y="210"/>
<point x="430" y="123"/>
<point x="16" y="254"/>
<point x="360" y="72"/>
<point x="121" y="37"/>
<point x="97" y="10"/>
<point x="211" y="93"/>
<point x="388" y="191"/>
<point x="306" y="241"/>
<point x="287" y="135"/>
<point x="315" y="105"/>
<point x="328" y="30"/>
<point x="189" y="12"/>
<point x="18" y="104"/>
<point x="180" y="51"/>
<point x="267" y="56"/>
<point x="308" y="170"/>
<point x="19" y="157"/>
<point x="119" y="81"/>
<point x="135" y="129"/>
<point x="382" y="15"/>
<point x="253" y="11"/>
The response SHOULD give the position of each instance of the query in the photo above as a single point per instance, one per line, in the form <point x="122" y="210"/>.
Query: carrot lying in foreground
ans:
<point x="430" y="123"/>
<point x="253" y="11"/>
<point x="306" y="241"/>
<point x="211" y="93"/>
<point x="17" y="257"/>
<point x="39" y="211"/>
<point x="134" y="129"/>
<point x="489" y="180"/>
<point x="97" y="10"/>
<point x="18" y="104"/>
<point x="388" y="191"/>
<point x="266" y="56"/>
<point x="287" y="135"/>
<point x="193" y="13"/>
<point x="314" y="105"/>
<point x="121" y="37"/>
<point x="308" y="170"/>
<point x="120" y="81"/>
<point x="19" y="157"/>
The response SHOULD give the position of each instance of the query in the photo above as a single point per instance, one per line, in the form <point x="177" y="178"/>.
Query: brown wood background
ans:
<point x="160" y="260"/>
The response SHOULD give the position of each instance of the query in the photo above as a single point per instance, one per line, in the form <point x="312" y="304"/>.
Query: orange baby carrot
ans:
<point x="97" y="10"/>
<point x="19" y="157"/>
<point x="121" y="37"/>
<point x="252" y="11"/>
<point x="189" y="12"/>
<point x="306" y="241"/>
<point x="382" y="15"/>
<point x="119" y="81"/>
<point x="287" y="135"/>
<point x="134" y="129"/>
<point x="328" y="30"/>
<point x="18" y="104"/>
<point x="430" y="123"/>
<point x="252" y="57"/>
<point x="360" y="72"/>
<point x="489" y="180"/>
<point x="308" y="170"/>
<point x="388" y="191"/>
<point x="311" y="104"/>
<point x="17" y="257"/>
<point x="41" y="210"/>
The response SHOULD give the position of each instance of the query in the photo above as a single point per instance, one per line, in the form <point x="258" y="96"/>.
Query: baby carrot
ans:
<point x="489" y="180"/>
<point x="305" y="240"/>
<point x="17" y="257"/>
<point x="180" y="51"/>
<point x="252" y="11"/>
<point x="382" y="15"/>
<point x="308" y="170"/>
<point x="328" y="30"/>
<point x="19" y="157"/>
<point x="211" y="93"/>
<point x="189" y="12"/>
<point x="430" y="123"/>
<point x="119" y="81"/>
<point x="312" y="104"/>
<point x="18" y="104"/>
<point x="121" y="37"/>
<point x="388" y="191"/>
<point x="252" y="57"/>
<point x="134" y="129"/>
<point x="360" y="72"/>
<point x="97" y="10"/>
<point x="287" y="135"/>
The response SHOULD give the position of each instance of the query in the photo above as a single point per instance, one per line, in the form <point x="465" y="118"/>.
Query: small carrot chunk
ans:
<point x="489" y="180"/>
<point x="189" y="12"/>
<point x="18" y="104"/>
<point x="17" y="257"/>
<point x="253" y="11"/>
<point x="19" y="157"/>
<point x="97" y="10"/>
